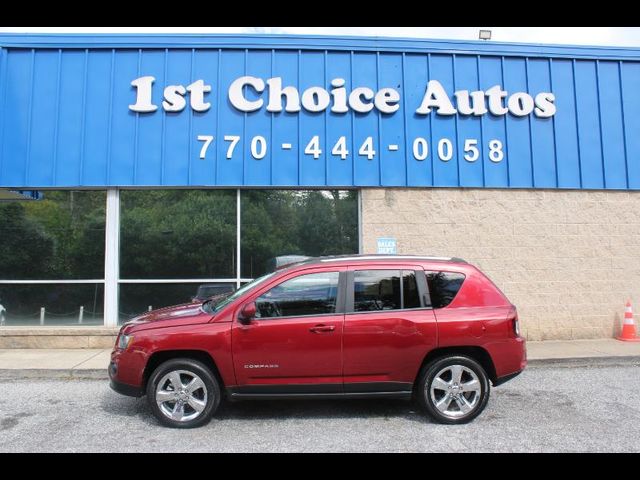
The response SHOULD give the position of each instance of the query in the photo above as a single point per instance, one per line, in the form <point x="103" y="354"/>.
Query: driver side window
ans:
<point x="312" y="294"/>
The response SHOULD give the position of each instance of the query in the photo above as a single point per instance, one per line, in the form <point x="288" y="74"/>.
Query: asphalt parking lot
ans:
<point x="546" y="409"/>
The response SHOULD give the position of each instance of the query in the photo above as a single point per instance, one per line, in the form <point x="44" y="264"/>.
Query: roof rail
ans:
<point x="338" y="258"/>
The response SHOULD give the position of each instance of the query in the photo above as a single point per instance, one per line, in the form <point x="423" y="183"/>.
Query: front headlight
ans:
<point x="124" y="341"/>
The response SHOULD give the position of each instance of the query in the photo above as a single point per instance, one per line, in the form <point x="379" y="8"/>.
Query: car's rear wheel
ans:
<point x="183" y="393"/>
<point x="453" y="389"/>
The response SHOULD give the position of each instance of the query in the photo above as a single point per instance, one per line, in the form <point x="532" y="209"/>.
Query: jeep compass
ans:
<point x="434" y="329"/>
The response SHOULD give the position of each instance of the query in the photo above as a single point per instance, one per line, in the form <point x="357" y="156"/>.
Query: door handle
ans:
<point x="322" y="328"/>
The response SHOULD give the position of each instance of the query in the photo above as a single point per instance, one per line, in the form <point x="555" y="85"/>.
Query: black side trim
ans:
<point x="423" y="289"/>
<point x="298" y="389"/>
<point x="324" y="390"/>
<point x="373" y="387"/>
<point x="506" y="378"/>
<point x="315" y="396"/>
<point x="349" y="297"/>
<point x="126" y="389"/>
<point x="342" y="291"/>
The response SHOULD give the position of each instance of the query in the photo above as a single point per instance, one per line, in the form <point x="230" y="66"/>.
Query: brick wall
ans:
<point x="567" y="259"/>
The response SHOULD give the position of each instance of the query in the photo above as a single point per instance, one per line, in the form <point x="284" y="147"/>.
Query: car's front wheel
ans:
<point x="183" y="393"/>
<point x="453" y="389"/>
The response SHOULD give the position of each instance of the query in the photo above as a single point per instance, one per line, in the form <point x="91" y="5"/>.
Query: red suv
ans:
<point x="432" y="328"/>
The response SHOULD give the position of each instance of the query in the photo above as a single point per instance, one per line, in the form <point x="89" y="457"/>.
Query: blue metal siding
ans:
<point x="611" y="126"/>
<point x="339" y="171"/>
<point x="541" y="129"/>
<point x="393" y="168"/>
<point x="630" y="79"/>
<point x="495" y="174"/>
<point x="566" y="125"/>
<point x="285" y="163"/>
<point x="445" y="173"/>
<point x="471" y="173"/>
<point x="518" y="128"/>
<point x="419" y="172"/>
<point x="65" y="121"/>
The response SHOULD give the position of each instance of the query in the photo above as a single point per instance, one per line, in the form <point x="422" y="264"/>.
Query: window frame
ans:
<point x="340" y="294"/>
<point x="421" y="281"/>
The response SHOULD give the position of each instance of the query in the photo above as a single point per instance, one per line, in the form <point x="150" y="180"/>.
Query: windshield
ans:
<point x="218" y="303"/>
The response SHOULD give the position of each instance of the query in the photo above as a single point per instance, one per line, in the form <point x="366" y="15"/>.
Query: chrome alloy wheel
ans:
<point x="181" y="395"/>
<point x="455" y="391"/>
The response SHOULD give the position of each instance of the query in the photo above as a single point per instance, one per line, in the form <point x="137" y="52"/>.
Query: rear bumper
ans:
<point x="506" y="378"/>
<point x="509" y="358"/>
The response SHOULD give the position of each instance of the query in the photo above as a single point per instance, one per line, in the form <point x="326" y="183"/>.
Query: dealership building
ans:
<point x="143" y="171"/>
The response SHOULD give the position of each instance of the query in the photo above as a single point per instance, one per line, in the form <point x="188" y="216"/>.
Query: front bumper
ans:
<point x="120" y="387"/>
<point x="124" y="389"/>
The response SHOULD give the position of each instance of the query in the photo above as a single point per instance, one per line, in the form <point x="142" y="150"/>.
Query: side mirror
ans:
<point x="247" y="313"/>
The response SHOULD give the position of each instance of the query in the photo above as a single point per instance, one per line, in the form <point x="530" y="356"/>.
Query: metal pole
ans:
<point x="81" y="315"/>
<point x="238" y="270"/>
<point x="360" y="239"/>
<point x="112" y="258"/>
<point x="41" y="315"/>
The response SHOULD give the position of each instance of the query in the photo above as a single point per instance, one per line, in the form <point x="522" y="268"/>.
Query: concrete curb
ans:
<point x="102" y="374"/>
<point x="572" y="362"/>
<point x="62" y="374"/>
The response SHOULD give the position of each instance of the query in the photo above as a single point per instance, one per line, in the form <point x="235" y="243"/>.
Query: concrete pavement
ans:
<point x="547" y="409"/>
<point x="56" y="363"/>
<point x="92" y="363"/>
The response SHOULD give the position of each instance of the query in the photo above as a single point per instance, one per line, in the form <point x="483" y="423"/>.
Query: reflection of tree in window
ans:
<point x="443" y="287"/>
<point x="290" y="222"/>
<point x="178" y="234"/>
<point x="60" y="237"/>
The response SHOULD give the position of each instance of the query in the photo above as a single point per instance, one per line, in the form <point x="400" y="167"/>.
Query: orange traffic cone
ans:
<point x="628" y="327"/>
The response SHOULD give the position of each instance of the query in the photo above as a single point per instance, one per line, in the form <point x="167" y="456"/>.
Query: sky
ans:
<point x="610" y="36"/>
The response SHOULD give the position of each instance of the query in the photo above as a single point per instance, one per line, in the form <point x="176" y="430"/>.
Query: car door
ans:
<point x="294" y="344"/>
<point x="389" y="327"/>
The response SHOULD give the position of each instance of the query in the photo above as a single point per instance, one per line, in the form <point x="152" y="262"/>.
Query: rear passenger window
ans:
<point x="376" y="290"/>
<point x="443" y="287"/>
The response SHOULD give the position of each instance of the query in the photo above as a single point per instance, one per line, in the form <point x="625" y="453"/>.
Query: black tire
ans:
<point x="192" y="367"/>
<point x="427" y="377"/>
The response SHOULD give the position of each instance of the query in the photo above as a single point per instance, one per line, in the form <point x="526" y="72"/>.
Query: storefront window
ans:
<point x="290" y="222"/>
<point x="52" y="304"/>
<point x="175" y="246"/>
<point x="59" y="237"/>
<point x="137" y="298"/>
<point x="177" y="234"/>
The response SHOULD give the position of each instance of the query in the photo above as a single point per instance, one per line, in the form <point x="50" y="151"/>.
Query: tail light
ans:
<point x="514" y="321"/>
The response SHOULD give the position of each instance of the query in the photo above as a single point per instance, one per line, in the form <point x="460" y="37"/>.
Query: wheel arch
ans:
<point x="159" y="357"/>
<point x="478" y="354"/>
